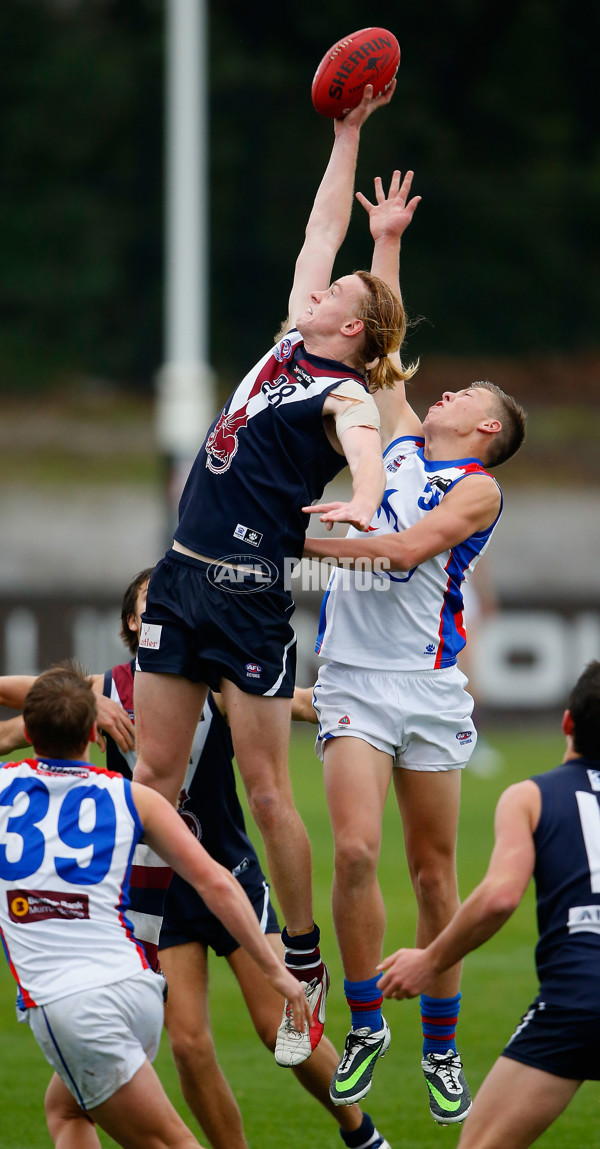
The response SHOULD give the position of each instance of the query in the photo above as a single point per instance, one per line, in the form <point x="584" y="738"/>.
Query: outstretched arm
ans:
<point x="330" y="215"/>
<point x="389" y="218"/>
<point x="111" y="718"/>
<point x="12" y="735"/>
<point x="409" y="972"/>
<point x="471" y="506"/>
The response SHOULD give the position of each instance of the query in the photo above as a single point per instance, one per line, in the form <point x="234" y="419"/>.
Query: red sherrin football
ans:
<point x="370" y="56"/>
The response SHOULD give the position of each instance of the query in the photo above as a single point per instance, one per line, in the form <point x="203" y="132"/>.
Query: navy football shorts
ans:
<point x="188" y="919"/>
<point x="198" y="629"/>
<point x="559" y="1041"/>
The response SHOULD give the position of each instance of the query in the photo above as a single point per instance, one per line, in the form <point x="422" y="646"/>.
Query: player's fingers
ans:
<point x="322" y="508"/>
<point x="394" y="184"/>
<point x="386" y="96"/>
<point x="379" y="192"/>
<point x="406" y="185"/>
<point x="413" y="204"/>
<point x="364" y="202"/>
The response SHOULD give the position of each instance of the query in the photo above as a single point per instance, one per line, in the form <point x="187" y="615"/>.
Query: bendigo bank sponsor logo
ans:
<point x="40" y="905"/>
<point x="242" y="574"/>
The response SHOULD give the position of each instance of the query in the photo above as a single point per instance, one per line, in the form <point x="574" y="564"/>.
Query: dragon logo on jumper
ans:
<point x="222" y="443"/>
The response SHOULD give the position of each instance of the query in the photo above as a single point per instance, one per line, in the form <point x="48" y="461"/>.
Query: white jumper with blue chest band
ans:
<point x="404" y="620"/>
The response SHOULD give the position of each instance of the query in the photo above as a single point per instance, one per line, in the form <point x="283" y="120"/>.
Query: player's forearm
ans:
<point x="332" y="207"/>
<point x="386" y="261"/>
<point x="348" y="552"/>
<point x="481" y="916"/>
<point x="12" y="735"/>
<point x="368" y="480"/>
<point x="14" y="689"/>
<point x="227" y="900"/>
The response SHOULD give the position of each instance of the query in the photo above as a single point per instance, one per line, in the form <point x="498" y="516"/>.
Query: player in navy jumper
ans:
<point x="210" y="806"/>
<point x="218" y="608"/>
<point x="547" y="827"/>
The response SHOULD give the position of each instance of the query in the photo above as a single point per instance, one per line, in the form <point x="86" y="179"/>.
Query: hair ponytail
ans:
<point x="385" y="327"/>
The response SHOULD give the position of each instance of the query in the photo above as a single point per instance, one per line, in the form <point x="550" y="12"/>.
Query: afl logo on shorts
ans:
<point x="253" y="670"/>
<point x="242" y="574"/>
<point x="465" y="736"/>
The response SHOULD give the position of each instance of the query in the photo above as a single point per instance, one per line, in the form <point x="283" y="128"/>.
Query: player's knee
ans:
<point x="271" y="808"/>
<point x="434" y="881"/>
<point x="355" y="860"/>
<point x="192" y="1050"/>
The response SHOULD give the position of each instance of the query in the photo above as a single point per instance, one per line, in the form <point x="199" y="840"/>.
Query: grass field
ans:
<point x="498" y="984"/>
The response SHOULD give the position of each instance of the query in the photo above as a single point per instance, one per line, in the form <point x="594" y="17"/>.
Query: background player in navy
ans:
<point x="548" y="827"/>
<point x="296" y="418"/>
<point x="210" y="807"/>
<point x="390" y="700"/>
<point x="67" y="833"/>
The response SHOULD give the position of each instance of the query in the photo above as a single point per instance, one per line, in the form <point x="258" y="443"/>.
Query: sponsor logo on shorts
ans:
<point x="40" y="905"/>
<point x="345" y="721"/>
<point x="247" y="535"/>
<point x="430" y="648"/>
<point x="240" y="574"/>
<point x="150" y="635"/>
<point x="241" y="867"/>
<point x="465" y="736"/>
<point x="253" y="670"/>
<point x="283" y="350"/>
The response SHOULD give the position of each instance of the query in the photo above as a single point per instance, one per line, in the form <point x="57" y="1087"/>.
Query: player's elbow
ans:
<point x="400" y="556"/>
<point x="502" y="900"/>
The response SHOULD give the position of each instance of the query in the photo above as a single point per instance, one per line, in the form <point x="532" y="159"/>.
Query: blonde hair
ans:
<point x="385" y="325"/>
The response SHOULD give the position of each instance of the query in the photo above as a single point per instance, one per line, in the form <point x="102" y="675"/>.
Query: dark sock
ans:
<point x="361" y="1137"/>
<point x="302" y="954"/>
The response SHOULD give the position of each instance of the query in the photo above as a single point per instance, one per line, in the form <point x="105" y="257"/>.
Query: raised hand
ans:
<point x="357" y="116"/>
<point x="390" y="215"/>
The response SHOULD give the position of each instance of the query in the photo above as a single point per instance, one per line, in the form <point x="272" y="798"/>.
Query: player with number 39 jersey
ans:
<point x="67" y="835"/>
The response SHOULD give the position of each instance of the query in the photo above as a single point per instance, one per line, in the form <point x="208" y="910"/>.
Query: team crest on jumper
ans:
<point x="222" y="443"/>
<point x="283" y="350"/>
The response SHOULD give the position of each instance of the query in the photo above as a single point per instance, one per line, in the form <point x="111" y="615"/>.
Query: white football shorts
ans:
<point x="97" y="1040"/>
<point x="422" y="720"/>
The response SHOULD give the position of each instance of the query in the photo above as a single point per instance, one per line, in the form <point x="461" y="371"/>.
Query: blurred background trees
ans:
<point x="496" y="110"/>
